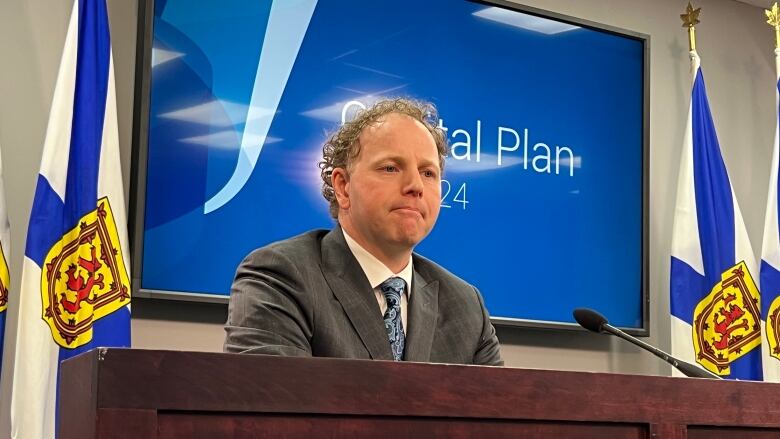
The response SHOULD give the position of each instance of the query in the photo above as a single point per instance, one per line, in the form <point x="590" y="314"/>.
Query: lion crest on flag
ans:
<point x="84" y="278"/>
<point x="727" y="323"/>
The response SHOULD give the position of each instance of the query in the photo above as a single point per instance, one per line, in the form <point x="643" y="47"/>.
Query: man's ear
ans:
<point x="340" y="181"/>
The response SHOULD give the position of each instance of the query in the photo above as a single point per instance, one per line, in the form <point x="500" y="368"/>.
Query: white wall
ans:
<point x="736" y="49"/>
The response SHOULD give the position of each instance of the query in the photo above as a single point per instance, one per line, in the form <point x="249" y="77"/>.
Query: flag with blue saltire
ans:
<point x="75" y="290"/>
<point x="5" y="250"/>
<point x="715" y="303"/>
<point x="770" y="258"/>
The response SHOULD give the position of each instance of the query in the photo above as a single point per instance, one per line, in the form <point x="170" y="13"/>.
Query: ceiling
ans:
<point x="766" y="4"/>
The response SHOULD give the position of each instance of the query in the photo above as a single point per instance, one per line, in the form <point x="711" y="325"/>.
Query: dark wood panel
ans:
<point x="119" y="393"/>
<point x="127" y="424"/>
<point x="257" y="383"/>
<point x="695" y="432"/>
<point x="233" y="426"/>
<point x="77" y="401"/>
<point x="668" y="431"/>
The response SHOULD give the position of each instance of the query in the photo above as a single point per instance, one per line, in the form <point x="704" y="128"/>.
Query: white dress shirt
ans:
<point x="377" y="272"/>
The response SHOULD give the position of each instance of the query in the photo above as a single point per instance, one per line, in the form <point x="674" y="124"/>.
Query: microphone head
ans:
<point x="590" y="320"/>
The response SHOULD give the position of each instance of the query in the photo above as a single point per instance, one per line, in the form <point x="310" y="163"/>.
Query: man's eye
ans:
<point x="389" y="168"/>
<point x="429" y="174"/>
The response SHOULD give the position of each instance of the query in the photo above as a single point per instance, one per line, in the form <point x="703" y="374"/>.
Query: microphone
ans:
<point x="593" y="321"/>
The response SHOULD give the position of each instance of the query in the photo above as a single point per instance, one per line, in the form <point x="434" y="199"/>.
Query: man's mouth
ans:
<point x="409" y="209"/>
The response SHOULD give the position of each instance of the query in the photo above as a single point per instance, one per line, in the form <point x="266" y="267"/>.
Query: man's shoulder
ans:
<point x="455" y="294"/>
<point x="434" y="272"/>
<point x="300" y="246"/>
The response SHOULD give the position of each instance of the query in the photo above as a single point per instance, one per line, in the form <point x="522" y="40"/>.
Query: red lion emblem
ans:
<point x="76" y="283"/>
<point x="727" y="325"/>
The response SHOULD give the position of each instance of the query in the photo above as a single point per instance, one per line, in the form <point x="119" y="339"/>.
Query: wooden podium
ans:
<point x="127" y="393"/>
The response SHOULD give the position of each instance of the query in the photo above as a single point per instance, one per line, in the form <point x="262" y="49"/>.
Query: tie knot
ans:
<point x="392" y="288"/>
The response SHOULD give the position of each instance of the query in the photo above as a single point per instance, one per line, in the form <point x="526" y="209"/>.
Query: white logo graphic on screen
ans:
<point x="287" y="25"/>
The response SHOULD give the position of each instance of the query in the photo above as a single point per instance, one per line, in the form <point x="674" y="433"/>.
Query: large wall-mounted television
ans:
<point x="544" y="198"/>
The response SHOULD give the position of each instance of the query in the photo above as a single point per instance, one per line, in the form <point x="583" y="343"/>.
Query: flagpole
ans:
<point x="773" y="19"/>
<point x="690" y="19"/>
<point x="684" y="216"/>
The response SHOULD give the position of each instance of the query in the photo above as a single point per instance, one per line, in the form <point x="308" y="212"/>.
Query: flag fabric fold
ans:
<point x="770" y="258"/>
<point x="714" y="300"/>
<point x="75" y="290"/>
<point x="5" y="255"/>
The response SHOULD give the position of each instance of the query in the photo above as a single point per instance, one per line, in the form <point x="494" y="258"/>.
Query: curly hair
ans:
<point x="343" y="146"/>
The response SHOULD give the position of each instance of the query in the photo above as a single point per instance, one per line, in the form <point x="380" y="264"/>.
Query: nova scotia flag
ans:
<point x="715" y="303"/>
<point x="770" y="261"/>
<point x="75" y="292"/>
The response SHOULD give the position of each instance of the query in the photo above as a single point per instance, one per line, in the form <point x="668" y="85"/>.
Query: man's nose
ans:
<point x="413" y="184"/>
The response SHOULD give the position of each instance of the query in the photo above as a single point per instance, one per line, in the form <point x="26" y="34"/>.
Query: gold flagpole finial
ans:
<point x="690" y="19"/>
<point x="773" y="18"/>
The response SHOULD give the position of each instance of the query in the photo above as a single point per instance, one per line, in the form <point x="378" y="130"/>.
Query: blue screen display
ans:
<point x="542" y="203"/>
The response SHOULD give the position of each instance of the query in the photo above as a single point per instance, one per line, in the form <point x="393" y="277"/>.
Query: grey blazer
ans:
<point x="308" y="296"/>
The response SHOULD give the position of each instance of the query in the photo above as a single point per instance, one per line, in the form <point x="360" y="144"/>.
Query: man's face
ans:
<point x="389" y="197"/>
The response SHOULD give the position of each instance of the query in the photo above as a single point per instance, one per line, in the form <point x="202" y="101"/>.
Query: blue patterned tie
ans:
<point x="392" y="289"/>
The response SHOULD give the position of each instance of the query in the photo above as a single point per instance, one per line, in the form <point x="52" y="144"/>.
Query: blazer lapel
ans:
<point x="422" y="314"/>
<point x="351" y="288"/>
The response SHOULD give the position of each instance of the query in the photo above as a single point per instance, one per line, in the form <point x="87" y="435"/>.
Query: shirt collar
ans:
<point x="375" y="270"/>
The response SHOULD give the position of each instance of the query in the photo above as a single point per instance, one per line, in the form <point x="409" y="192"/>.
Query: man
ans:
<point x="358" y="291"/>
